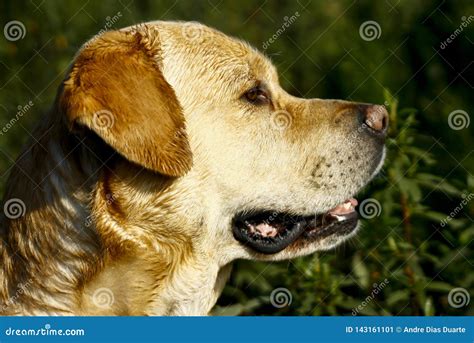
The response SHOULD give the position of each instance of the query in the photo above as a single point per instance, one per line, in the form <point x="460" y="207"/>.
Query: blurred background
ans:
<point x="414" y="253"/>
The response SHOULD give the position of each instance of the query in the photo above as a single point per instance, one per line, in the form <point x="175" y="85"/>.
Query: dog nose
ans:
<point x="375" y="117"/>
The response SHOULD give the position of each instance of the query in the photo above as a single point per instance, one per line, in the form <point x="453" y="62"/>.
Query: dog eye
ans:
<point x="257" y="96"/>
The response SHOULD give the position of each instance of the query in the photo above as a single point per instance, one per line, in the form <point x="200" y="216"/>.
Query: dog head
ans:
<point x="258" y="172"/>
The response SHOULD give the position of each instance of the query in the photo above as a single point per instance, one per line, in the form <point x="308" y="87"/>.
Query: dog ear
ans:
<point x="116" y="88"/>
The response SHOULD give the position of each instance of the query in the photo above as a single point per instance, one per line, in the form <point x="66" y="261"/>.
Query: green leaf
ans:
<point x="467" y="235"/>
<point x="438" y="183"/>
<point x="410" y="187"/>
<point x="428" y="308"/>
<point x="398" y="296"/>
<point x="392" y="244"/>
<point x="439" y="286"/>
<point x="236" y="309"/>
<point x="360" y="271"/>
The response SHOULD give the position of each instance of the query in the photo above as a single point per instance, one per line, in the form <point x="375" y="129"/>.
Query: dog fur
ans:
<point x="135" y="174"/>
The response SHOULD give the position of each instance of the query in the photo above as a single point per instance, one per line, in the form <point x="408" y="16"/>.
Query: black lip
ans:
<point x="341" y="228"/>
<point x="310" y="228"/>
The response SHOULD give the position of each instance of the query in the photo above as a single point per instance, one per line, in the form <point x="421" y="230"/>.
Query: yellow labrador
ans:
<point x="171" y="150"/>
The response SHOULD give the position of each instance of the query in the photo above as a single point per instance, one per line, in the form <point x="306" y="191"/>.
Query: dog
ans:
<point x="171" y="151"/>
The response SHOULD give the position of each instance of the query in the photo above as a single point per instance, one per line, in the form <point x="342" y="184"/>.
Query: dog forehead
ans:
<point x="197" y="38"/>
<point x="208" y="49"/>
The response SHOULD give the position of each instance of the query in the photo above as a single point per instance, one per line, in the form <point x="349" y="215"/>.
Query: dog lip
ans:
<point x="346" y="207"/>
<point x="267" y="245"/>
<point x="270" y="232"/>
<point x="329" y="220"/>
<point x="337" y="226"/>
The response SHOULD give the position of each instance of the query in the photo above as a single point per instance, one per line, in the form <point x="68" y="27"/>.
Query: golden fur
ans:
<point x="146" y="155"/>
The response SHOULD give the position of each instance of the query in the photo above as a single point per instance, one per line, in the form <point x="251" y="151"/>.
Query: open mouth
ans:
<point x="270" y="232"/>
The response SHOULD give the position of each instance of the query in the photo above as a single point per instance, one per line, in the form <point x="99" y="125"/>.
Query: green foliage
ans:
<point x="406" y="245"/>
<point x="428" y="167"/>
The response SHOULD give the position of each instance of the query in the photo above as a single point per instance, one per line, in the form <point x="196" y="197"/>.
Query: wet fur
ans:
<point x="143" y="208"/>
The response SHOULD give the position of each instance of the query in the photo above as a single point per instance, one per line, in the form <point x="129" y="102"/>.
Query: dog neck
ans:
<point x="154" y="227"/>
<point x="45" y="244"/>
<point x="93" y="222"/>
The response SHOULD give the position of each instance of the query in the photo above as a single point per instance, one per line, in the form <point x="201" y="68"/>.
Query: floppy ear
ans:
<point x="116" y="89"/>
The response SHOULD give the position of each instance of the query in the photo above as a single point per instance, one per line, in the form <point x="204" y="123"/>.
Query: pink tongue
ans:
<point x="347" y="207"/>
<point x="264" y="229"/>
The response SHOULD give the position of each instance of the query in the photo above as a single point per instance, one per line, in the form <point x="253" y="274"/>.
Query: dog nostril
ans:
<point x="376" y="117"/>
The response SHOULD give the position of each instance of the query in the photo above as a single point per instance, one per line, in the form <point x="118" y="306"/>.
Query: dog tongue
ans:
<point x="264" y="229"/>
<point x="346" y="207"/>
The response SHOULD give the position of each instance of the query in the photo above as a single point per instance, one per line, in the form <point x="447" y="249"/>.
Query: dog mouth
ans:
<point x="270" y="232"/>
